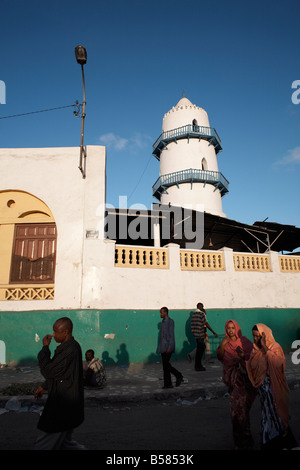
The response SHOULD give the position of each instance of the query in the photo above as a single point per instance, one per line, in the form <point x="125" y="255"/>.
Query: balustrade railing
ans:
<point x="251" y="262"/>
<point x="289" y="264"/>
<point x="187" y="131"/>
<point x="193" y="260"/>
<point x="158" y="258"/>
<point x="141" y="257"/>
<point x="190" y="175"/>
<point x="27" y="292"/>
<point x="201" y="261"/>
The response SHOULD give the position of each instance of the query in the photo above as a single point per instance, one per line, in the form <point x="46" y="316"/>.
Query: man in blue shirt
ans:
<point x="166" y="347"/>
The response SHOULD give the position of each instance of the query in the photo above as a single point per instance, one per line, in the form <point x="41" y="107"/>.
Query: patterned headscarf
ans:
<point x="230" y="351"/>
<point x="271" y="362"/>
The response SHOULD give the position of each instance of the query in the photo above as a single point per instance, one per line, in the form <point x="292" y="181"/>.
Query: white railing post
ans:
<point x="174" y="256"/>
<point x="228" y="259"/>
<point x="156" y="235"/>
<point x="274" y="261"/>
<point x="109" y="253"/>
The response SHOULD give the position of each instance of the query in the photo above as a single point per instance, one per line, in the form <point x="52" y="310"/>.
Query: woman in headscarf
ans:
<point x="266" y="370"/>
<point x="232" y="352"/>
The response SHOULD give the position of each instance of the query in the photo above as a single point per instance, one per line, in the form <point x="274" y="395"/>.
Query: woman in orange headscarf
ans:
<point x="266" y="370"/>
<point x="232" y="352"/>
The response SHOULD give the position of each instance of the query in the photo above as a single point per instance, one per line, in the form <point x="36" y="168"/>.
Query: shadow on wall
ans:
<point x="189" y="345"/>
<point x="154" y="356"/>
<point x="211" y="345"/>
<point x="121" y="354"/>
<point x="30" y="360"/>
<point x="120" y="357"/>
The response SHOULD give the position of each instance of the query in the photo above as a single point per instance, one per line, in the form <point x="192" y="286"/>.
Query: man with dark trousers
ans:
<point x="64" y="408"/>
<point x="198" y="327"/>
<point x="166" y="347"/>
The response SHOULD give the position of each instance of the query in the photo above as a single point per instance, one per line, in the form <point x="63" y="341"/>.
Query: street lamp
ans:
<point x="81" y="57"/>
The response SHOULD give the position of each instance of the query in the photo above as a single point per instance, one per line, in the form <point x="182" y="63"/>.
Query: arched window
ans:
<point x="195" y="125"/>
<point x="204" y="165"/>
<point x="33" y="254"/>
<point x="28" y="237"/>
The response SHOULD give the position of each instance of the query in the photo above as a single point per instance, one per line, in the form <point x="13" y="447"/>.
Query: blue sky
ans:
<point x="236" y="59"/>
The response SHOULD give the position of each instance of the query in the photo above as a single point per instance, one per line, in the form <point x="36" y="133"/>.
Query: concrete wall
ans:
<point x="137" y="288"/>
<point x="130" y="336"/>
<point x="124" y="302"/>
<point x="77" y="205"/>
<point x="85" y="273"/>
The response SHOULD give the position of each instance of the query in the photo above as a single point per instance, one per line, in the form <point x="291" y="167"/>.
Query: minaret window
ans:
<point x="195" y="125"/>
<point x="204" y="164"/>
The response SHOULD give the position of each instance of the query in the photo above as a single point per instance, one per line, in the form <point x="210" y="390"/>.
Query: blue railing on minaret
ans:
<point x="190" y="176"/>
<point x="186" y="132"/>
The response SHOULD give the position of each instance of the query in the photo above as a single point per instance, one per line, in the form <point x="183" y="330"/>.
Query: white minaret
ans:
<point x="187" y="151"/>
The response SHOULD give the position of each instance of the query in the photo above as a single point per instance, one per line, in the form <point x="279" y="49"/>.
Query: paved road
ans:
<point x="174" y="425"/>
<point x="133" y="415"/>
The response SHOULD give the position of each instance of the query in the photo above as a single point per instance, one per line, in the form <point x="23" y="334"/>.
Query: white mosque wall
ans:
<point x="142" y="288"/>
<point x="52" y="175"/>
<point x="86" y="275"/>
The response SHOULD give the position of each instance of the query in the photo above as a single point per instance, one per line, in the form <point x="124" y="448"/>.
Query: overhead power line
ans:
<point x="41" y="111"/>
<point x="134" y="189"/>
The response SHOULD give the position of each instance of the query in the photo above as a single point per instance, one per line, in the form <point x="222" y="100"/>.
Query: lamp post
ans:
<point x="81" y="57"/>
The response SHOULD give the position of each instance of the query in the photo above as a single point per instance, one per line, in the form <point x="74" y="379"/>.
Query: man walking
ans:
<point x="198" y="327"/>
<point x="64" y="409"/>
<point x="166" y="347"/>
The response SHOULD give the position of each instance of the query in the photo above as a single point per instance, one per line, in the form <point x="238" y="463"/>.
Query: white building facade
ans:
<point x="55" y="261"/>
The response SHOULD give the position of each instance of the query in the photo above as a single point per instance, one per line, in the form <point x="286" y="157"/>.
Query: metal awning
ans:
<point x="219" y="232"/>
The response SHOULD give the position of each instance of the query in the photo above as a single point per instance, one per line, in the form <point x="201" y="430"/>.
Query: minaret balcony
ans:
<point x="190" y="176"/>
<point x="189" y="131"/>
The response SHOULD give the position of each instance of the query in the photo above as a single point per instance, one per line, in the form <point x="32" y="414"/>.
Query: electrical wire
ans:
<point x="41" y="111"/>
<point x="134" y="189"/>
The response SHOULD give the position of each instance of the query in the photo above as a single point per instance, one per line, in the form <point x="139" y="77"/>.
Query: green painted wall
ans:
<point x="136" y="331"/>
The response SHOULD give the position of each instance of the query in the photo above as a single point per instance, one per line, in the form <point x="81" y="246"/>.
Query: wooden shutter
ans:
<point x="34" y="252"/>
